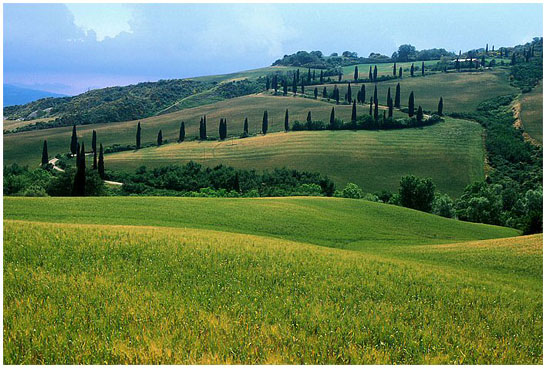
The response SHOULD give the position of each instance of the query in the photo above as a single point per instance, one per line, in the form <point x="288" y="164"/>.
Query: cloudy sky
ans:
<point x="74" y="47"/>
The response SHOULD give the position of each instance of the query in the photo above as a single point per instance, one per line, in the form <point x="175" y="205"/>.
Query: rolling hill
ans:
<point x="531" y="112"/>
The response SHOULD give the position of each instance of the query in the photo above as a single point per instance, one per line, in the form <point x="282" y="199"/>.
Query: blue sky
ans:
<point x="71" y="48"/>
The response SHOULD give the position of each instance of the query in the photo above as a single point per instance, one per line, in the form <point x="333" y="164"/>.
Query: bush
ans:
<point x="443" y="206"/>
<point x="351" y="190"/>
<point x="417" y="193"/>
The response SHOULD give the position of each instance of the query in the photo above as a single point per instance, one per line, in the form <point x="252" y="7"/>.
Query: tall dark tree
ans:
<point x="340" y="75"/>
<point x="394" y="69"/>
<point x="100" y="165"/>
<point x="275" y="83"/>
<point x="159" y="138"/>
<point x="182" y="132"/>
<point x="245" y="127"/>
<point x="295" y="84"/>
<point x="138" y="130"/>
<point x="222" y="129"/>
<point x="363" y="93"/>
<point x="358" y="97"/>
<point x="411" y="105"/>
<point x="78" y="189"/>
<point x="412" y="69"/>
<point x="74" y="141"/>
<point x="486" y="48"/>
<point x="400" y="72"/>
<point x="45" y="156"/>
<point x="371" y="106"/>
<point x="441" y="106"/>
<point x="332" y="117"/>
<point x="423" y="68"/>
<point x="201" y="129"/>
<point x="308" y="75"/>
<point x="397" y="96"/>
<point x="321" y="77"/>
<point x="94" y="141"/>
<point x="370" y="74"/>
<point x="302" y="88"/>
<point x="420" y="114"/>
<point x="284" y="87"/>
<point x="336" y="94"/>
<point x="309" y="119"/>
<point x="356" y="73"/>
<point x="95" y="160"/>
<point x="388" y="95"/>
<point x="375" y="100"/>
<point x="267" y="84"/>
<point x="315" y="93"/>
<point x="324" y="93"/>
<point x="297" y="76"/>
<point x="353" y="113"/>
<point x="376" y="112"/>
<point x="375" y="73"/>
<point x="314" y="75"/>
<point x="513" y="60"/>
<point x="349" y="93"/>
<point x="286" y="121"/>
<point x="390" y="104"/>
<point x="265" y="123"/>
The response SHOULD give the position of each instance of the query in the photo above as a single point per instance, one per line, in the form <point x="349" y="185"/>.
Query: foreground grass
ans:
<point x="451" y="153"/>
<point x="531" y="112"/>
<point x="332" y="222"/>
<point x="120" y="294"/>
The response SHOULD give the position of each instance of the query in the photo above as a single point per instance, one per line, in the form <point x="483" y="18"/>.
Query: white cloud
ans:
<point x="102" y="20"/>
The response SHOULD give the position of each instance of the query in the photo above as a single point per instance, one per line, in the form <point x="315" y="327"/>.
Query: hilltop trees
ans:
<point x="138" y="136"/>
<point x="286" y="121"/>
<point x="265" y="123"/>
<point x="101" y="162"/>
<point x="74" y="141"/>
<point x="182" y="132"/>
<point x="159" y="138"/>
<point x="45" y="156"/>
<point x="441" y="107"/>
<point x="397" y="96"/>
<point x="411" y="105"/>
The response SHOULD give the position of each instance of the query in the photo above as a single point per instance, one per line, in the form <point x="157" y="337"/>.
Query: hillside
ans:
<point x="531" y="112"/>
<point x="451" y="153"/>
<point x="265" y="286"/>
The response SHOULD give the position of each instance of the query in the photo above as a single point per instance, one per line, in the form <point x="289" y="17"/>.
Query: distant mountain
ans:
<point x="14" y="95"/>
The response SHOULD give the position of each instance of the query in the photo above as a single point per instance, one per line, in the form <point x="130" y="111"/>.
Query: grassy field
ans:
<point x="462" y="92"/>
<point x="531" y="112"/>
<point x="451" y="153"/>
<point x="26" y="148"/>
<point x="261" y="287"/>
<point x="14" y="124"/>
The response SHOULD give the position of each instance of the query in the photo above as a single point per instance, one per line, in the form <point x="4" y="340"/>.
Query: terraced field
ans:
<point x="157" y="285"/>
<point x="531" y="112"/>
<point x="451" y="153"/>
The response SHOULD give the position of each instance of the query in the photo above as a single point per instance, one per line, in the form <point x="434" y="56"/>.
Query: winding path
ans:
<point x="53" y="162"/>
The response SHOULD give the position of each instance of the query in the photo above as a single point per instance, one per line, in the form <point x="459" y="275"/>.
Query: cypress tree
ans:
<point x="309" y="120"/>
<point x="486" y="48"/>
<point x="336" y="95"/>
<point x="302" y="88"/>
<point x="375" y="73"/>
<point x="315" y="92"/>
<point x="363" y="93"/>
<point x="101" y="162"/>
<point x="340" y="75"/>
<point x="321" y="77"/>
<point x="159" y="138"/>
<point x="390" y="104"/>
<point x="297" y="75"/>
<point x="376" y="112"/>
<point x="138" y="136"/>
<point x="294" y="84"/>
<point x="513" y="60"/>
<point x="201" y="129"/>
<point x="182" y="132"/>
<point x="94" y="141"/>
<point x="94" y="160"/>
<point x="267" y="84"/>
<point x="284" y="87"/>
<point x="370" y="75"/>
<point x="371" y="105"/>
<point x="78" y="189"/>
<point x="265" y="123"/>
<point x="74" y="141"/>
<point x="388" y="95"/>
<point x="400" y="72"/>
<point x="419" y="114"/>
<point x="375" y="94"/>
<point x="45" y="156"/>
<point x="205" y="127"/>
<point x="332" y="117"/>
<point x="324" y="93"/>
<point x="441" y="106"/>
<point x="349" y="93"/>
<point x="275" y="83"/>
<point x="245" y="127"/>
<point x="411" y="105"/>
<point x="286" y="121"/>
<point x="314" y="75"/>
<point x="411" y="69"/>
<point x="394" y="69"/>
<point x="423" y="68"/>
<point x="397" y="96"/>
<point x="356" y="73"/>
<point x="358" y="97"/>
<point x="308" y="75"/>
<point x="353" y="113"/>
<point x="221" y="129"/>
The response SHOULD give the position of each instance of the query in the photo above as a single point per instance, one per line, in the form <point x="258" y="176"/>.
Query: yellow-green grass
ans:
<point x="451" y="153"/>
<point x="332" y="222"/>
<point x="103" y="294"/>
<point x="14" y="124"/>
<point x="26" y="148"/>
<point x="462" y="92"/>
<point x="531" y="112"/>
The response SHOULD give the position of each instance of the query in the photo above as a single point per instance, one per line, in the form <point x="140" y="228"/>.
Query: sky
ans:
<point x="71" y="48"/>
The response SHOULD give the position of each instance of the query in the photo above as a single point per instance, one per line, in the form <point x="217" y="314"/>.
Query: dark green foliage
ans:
<point x="267" y="84"/>
<point x="411" y="70"/>
<point x="419" y="114"/>
<point x="388" y="95"/>
<point x="203" y="128"/>
<point x="376" y="112"/>
<point x="101" y="163"/>
<point x="74" y="141"/>
<point x="284" y="87"/>
<point x="394" y="70"/>
<point x="286" y="121"/>
<point x="138" y="132"/>
<point x="416" y="193"/>
<point x="94" y="141"/>
<point x="45" y="156"/>
<point x="321" y="77"/>
<point x="324" y="93"/>
<point x="265" y="123"/>
<point x="315" y="93"/>
<point x="375" y="99"/>
<point x="363" y="93"/>
<point x="222" y="129"/>
<point x="332" y="117"/>
<point x="182" y="132"/>
<point x="411" y="105"/>
<point x="95" y="164"/>
<point x="370" y="74"/>
<point x="275" y="83"/>
<point x="441" y="107"/>
<point x="302" y="88"/>
<point x="159" y="138"/>
<point x="391" y="107"/>
<point x="356" y="73"/>
<point x="349" y="93"/>
<point x="245" y="128"/>
<point x="375" y="73"/>
<point x="309" y="117"/>
<point x="400" y="72"/>
<point x="371" y="105"/>
<point x="78" y="189"/>
<point x="423" y="68"/>
<point x="353" y="113"/>
<point x="397" y="96"/>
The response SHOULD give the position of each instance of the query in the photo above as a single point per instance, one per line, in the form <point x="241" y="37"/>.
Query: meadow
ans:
<point x="462" y="92"/>
<point x="531" y="112"/>
<point x="267" y="285"/>
<point x="450" y="152"/>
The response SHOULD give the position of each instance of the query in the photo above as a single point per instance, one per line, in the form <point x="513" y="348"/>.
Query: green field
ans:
<point x="462" y="92"/>
<point x="26" y="148"/>
<point x="531" y="112"/>
<point x="267" y="285"/>
<point x="451" y="153"/>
